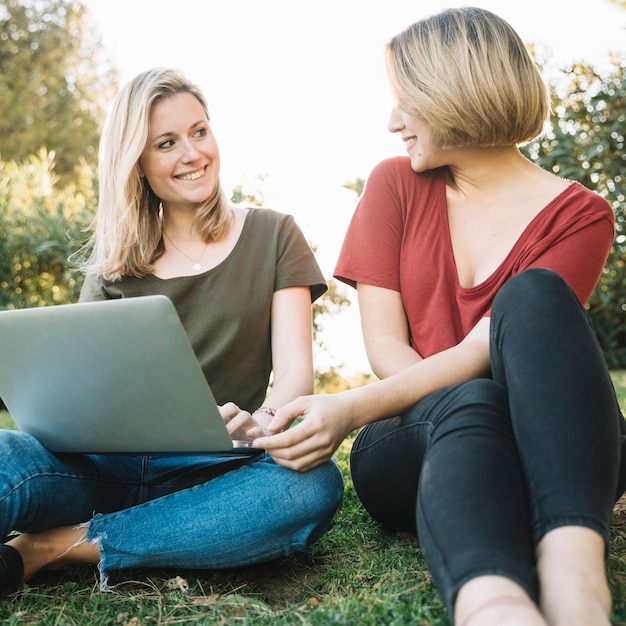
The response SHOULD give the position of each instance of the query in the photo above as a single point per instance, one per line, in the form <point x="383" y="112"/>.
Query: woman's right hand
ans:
<point x="325" y="424"/>
<point x="241" y="425"/>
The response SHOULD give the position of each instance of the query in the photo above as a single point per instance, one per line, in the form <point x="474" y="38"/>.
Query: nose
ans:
<point x="395" y="123"/>
<point x="190" y="150"/>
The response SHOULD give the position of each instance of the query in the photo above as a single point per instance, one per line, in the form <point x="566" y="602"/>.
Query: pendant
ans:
<point x="197" y="267"/>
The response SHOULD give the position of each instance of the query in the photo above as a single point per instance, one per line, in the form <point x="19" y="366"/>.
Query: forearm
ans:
<point x="286" y="386"/>
<point x="395" y="394"/>
<point x="388" y="356"/>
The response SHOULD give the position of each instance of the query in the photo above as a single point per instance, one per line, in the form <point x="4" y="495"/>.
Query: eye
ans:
<point x="164" y="145"/>
<point x="202" y="131"/>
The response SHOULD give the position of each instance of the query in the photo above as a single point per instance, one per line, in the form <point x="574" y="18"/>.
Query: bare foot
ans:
<point x="54" y="549"/>
<point x="572" y="576"/>
<point x="495" y="601"/>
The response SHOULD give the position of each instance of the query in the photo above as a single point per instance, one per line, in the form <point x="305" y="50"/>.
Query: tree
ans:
<point x="585" y="142"/>
<point x="54" y="82"/>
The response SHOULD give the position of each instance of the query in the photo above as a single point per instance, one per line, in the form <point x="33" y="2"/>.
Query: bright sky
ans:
<point x="297" y="90"/>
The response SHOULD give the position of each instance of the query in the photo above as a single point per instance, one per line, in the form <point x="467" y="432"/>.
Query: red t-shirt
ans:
<point x="399" y="239"/>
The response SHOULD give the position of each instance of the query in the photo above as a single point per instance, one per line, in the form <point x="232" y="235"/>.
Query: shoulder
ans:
<point x="92" y="289"/>
<point x="577" y="207"/>
<point x="395" y="176"/>
<point x="269" y="217"/>
<point x="578" y="194"/>
<point x="270" y="224"/>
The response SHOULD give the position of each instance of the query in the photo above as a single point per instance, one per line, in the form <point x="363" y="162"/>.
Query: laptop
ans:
<point x="111" y="377"/>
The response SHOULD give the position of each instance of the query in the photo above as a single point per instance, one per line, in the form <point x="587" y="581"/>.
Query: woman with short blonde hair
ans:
<point x="470" y="76"/>
<point x="494" y="433"/>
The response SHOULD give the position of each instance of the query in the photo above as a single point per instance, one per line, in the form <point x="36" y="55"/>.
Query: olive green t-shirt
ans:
<point x="226" y="311"/>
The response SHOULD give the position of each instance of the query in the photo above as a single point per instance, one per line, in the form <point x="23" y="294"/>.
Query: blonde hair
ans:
<point x="470" y="76"/>
<point x="127" y="230"/>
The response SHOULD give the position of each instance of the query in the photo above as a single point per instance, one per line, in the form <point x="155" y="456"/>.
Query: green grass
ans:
<point x="357" y="574"/>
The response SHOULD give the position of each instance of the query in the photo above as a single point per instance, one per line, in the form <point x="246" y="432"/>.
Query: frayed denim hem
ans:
<point x="94" y="538"/>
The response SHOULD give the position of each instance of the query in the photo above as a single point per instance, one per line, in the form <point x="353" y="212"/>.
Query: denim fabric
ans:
<point x="483" y="469"/>
<point x="186" y="511"/>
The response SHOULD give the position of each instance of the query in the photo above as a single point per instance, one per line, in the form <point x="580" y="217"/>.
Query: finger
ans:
<point x="287" y="414"/>
<point x="228" y="411"/>
<point x="277" y="441"/>
<point x="256" y="431"/>
<point x="240" y="422"/>
<point x="304" y="463"/>
<point x="295" y="446"/>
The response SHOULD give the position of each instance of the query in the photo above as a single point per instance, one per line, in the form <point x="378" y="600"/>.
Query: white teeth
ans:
<point x="191" y="176"/>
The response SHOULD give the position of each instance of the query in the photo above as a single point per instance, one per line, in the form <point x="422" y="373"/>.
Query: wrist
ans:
<point x="264" y="416"/>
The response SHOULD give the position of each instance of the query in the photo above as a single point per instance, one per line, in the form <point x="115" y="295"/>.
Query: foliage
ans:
<point x="43" y="226"/>
<point x="585" y="142"/>
<point x="251" y="197"/>
<point x="357" y="185"/>
<point x="54" y="82"/>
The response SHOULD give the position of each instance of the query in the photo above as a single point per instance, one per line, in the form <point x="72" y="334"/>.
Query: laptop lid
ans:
<point x="113" y="376"/>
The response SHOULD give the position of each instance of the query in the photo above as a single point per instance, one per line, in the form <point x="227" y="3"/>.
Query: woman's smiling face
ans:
<point x="181" y="161"/>
<point x="417" y="135"/>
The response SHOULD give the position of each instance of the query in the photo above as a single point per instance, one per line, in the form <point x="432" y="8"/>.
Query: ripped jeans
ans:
<point x="197" y="512"/>
<point x="484" y="469"/>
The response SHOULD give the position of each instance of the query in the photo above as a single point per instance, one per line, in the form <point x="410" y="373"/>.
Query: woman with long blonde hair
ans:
<point x="242" y="281"/>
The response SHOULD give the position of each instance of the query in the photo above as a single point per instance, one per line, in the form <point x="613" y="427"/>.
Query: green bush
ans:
<point x="43" y="227"/>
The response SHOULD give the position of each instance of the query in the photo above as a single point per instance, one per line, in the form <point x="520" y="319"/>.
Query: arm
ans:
<point x="328" y="419"/>
<point x="292" y="346"/>
<point x="292" y="360"/>
<point x="385" y="330"/>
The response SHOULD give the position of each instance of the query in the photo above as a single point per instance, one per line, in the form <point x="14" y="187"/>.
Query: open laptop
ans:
<point x="113" y="376"/>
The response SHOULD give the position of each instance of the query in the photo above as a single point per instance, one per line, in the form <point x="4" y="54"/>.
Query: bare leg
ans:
<point x="495" y="601"/>
<point x="54" y="549"/>
<point x="572" y="577"/>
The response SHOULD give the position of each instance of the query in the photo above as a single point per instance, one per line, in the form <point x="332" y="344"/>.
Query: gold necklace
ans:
<point x="196" y="263"/>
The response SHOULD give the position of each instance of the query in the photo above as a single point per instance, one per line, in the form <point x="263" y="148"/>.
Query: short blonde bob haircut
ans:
<point x="127" y="230"/>
<point x="469" y="75"/>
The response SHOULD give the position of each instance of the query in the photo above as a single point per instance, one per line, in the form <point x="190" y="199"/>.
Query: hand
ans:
<point x="241" y="425"/>
<point x="325" y="424"/>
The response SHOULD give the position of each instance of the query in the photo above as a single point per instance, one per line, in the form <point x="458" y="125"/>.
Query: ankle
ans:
<point x="505" y="610"/>
<point x="51" y="549"/>
<point x="572" y="578"/>
<point x="35" y="553"/>
<point x="493" y="600"/>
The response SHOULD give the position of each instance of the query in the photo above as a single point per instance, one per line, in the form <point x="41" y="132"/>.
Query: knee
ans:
<point x="532" y="289"/>
<point x="15" y="442"/>
<point x="320" y="493"/>
<point x="330" y="487"/>
<point x="477" y="403"/>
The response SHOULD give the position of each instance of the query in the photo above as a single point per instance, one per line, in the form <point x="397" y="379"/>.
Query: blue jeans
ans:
<point x="201" y="512"/>
<point x="484" y="469"/>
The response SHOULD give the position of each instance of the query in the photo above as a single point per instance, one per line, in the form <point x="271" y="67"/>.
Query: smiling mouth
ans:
<point x="191" y="176"/>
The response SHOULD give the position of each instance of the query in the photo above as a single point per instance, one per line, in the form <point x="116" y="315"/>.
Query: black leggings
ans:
<point x="484" y="469"/>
